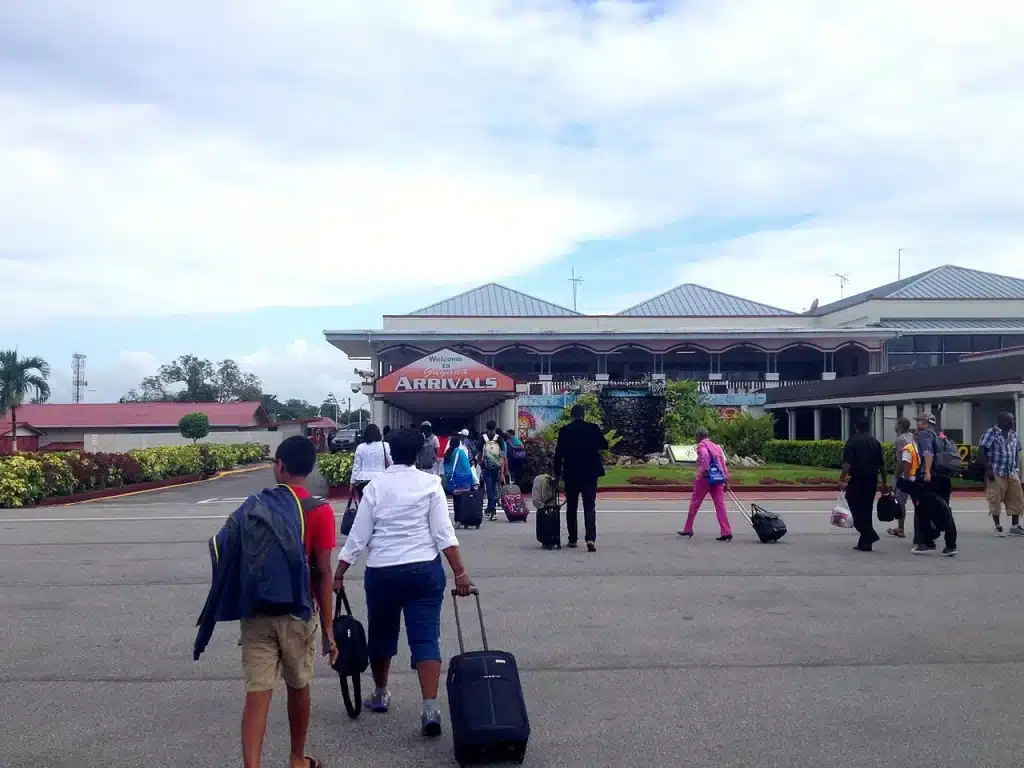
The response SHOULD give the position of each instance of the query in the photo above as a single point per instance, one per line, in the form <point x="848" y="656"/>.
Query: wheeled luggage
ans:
<point x="549" y="527"/>
<point x="513" y="504"/>
<point x="485" y="701"/>
<point x="469" y="508"/>
<point x="353" y="659"/>
<point x="768" y="526"/>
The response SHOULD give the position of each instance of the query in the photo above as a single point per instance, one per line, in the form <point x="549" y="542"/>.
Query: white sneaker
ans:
<point x="998" y="531"/>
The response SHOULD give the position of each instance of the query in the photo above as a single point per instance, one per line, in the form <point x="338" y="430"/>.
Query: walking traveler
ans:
<point x="516" y="452"/>
<point x="1000" y="450"/>
<point x="904" y="437"/>
<point x="863" y="462"/>
<point x="934" y="480"/>
<point x="492" y="462"/>
<point x="712" y="477"/>
<point x="403" y="524"/>
<point x="272" y="572"/>
<point x="372" y="457"/>
<point x="429" y="454"/>
<point x="579" y="463"/>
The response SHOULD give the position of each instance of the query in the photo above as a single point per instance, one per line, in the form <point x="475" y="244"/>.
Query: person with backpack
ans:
<point x="516" y="455"/>
<point x="427" y="459"/>
<point x="272" y="572"/>
<point x="492" y="464"/>
<point x="936" y="475"/>
<point x="712" y="477"/>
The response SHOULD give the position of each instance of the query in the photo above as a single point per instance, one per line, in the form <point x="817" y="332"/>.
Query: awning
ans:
<point x="445" y="382"/>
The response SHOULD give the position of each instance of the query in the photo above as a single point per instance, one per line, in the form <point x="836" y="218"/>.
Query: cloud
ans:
<point x="171" y="157"/>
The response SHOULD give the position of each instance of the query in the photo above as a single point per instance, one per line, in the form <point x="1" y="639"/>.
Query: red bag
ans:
<point x="513" y="504"/>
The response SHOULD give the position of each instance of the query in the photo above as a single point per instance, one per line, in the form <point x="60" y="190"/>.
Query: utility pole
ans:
<point x="575" y="285"/>
<point x="843" y="280"/>
<point x="899" y="262"/>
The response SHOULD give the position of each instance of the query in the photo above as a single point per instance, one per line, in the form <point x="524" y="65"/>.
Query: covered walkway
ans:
<point x="965" y="397"/>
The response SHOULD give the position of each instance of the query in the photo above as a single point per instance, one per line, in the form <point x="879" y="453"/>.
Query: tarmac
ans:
<point x="655" y="651"/>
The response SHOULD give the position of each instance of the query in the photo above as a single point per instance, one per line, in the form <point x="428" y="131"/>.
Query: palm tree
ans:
<point x="21" y="378"/>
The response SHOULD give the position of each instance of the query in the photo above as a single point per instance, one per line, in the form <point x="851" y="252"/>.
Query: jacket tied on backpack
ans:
<point x="259" y="563"/>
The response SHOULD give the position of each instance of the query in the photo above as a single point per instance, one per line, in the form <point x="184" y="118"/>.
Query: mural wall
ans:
<point x="538" y="411"/>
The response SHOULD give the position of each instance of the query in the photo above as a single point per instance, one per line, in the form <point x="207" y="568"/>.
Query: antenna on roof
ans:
<point x="575" y="285"/>
<point x="78" y="382"/>
<point x="843" y="280"/>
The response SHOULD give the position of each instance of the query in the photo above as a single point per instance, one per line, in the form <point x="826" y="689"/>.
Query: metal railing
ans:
<point x="706" y="386"/>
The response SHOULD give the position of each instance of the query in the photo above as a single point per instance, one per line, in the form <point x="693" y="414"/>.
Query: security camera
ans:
<point x="356" y="388"/>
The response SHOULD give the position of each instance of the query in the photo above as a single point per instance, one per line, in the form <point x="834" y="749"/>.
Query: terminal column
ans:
<point x="817" y="423"/>
<point x="791" y="416"/>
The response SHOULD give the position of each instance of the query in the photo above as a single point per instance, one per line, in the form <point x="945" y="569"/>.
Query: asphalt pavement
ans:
<point x="655" y="651"/>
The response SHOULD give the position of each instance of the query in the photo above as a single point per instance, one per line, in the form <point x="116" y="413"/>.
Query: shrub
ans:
<point x="816" y="453"/>
<point x="194" y="426"/>
<point x="250" y="453"/>
<point x="21" y="481"/>
<point x="168" y="461"/>
<point x="540" y="460"/>
<point x="58" y="479"/>
<point x="745" y="435"/>
<point x="335" y="468"/>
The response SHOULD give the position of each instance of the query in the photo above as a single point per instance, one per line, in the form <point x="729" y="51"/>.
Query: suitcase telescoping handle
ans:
<point x="458" y="623"/>
<point x="739" y="505"/>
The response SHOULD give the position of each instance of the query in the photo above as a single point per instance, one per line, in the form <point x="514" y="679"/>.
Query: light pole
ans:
<point x="337" y="408"/>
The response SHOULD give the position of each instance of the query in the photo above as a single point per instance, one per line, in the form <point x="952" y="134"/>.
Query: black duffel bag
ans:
<point x="353" y="658"/>
<point x="887" y="508"/>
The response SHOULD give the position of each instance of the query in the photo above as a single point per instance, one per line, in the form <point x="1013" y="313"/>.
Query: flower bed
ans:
<point x="28" y="478"/>
<point x="336" y="470"/>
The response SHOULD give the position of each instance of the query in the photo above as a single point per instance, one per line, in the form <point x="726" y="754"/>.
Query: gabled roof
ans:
<point x="152" y="415"/>
<point x="689" y="300"/>
<point x="493" y="300"/>
<point x="945" y="282"/>
<point x="1011" y="325"/>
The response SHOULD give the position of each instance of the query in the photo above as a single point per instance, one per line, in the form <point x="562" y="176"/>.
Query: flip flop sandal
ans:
<point x="896" y="532"/>
<point x="313" y="762"/>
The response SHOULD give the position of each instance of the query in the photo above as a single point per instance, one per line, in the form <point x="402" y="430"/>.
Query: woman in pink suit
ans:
<point x="713" y="477"/>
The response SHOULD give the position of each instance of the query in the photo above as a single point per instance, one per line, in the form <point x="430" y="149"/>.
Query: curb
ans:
<point x="157" y="485"/>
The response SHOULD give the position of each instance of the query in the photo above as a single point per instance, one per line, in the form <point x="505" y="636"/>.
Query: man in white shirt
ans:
<point x="403" y="524"/>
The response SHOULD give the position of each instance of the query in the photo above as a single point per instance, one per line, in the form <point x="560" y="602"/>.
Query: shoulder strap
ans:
<point x="302" y="509"/>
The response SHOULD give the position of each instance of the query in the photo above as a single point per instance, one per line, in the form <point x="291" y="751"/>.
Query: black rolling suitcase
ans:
<point x="768" y="526"/>
<point x="485" y="701"/>
<point x="549" y="527"/>
<point x="469" y="508"/>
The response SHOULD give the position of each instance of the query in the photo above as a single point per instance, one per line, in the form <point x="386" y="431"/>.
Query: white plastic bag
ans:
<point x="841" y="516"/>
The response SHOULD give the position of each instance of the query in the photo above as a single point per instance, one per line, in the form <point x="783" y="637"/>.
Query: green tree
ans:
<point x="21" y="378"/>
<point x="194" y="426"/>
<point x="745" y="435"/>
<point x="291" y="409"/>
<point x="686" y="412"/>
<point x="592" y="412"/>
<point x="192" y="379"/>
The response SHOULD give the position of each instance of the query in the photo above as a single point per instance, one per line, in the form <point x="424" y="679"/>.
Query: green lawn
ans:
<point x="683" y="474"/>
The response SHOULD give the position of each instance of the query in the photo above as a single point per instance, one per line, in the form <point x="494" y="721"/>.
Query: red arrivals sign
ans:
<point x="445" y="371"/>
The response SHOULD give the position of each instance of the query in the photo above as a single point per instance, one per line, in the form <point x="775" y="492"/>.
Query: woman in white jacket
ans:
<point x="373" y="456"/>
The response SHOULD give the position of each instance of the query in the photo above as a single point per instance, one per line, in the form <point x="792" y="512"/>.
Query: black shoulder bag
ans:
<point x="353" y="659"/>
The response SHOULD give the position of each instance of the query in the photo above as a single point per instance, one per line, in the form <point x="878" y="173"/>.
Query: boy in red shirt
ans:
<point x="273" y="646"/>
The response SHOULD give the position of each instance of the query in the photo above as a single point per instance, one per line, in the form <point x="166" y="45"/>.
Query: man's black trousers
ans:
<point x="573" y="491"/>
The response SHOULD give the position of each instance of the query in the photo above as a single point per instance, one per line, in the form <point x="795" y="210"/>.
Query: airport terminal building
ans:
<point x="497" y="353"/>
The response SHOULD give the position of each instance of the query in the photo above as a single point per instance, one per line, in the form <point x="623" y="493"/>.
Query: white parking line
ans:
<point x="222" y="501"/>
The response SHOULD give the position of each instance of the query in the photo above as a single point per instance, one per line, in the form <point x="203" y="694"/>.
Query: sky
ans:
<point x="230" y="179"/>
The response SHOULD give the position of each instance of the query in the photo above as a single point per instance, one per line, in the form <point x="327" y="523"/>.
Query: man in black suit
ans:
<point x="578" y="461"/>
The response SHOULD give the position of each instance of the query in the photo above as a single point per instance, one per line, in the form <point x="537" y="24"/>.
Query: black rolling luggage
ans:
<point x="485" y="701"/>
<point x="549" y="527"/>
<point x="768" y="526"/>
<point x="469" y="508"/>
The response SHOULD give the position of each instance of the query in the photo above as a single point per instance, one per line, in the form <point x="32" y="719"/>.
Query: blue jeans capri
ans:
<point x="415" y="590"/>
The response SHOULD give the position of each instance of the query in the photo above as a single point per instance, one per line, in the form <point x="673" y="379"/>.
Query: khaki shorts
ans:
<point x="276" y="646"/>
<point x="1004" y="490"/>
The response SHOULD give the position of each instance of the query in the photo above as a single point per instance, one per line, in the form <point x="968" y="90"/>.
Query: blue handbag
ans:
<point x="715" y="474"/>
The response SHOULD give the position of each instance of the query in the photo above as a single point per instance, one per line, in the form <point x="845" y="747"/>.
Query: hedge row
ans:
<point x="820" y="453"/>
<point x="27" y="478"/>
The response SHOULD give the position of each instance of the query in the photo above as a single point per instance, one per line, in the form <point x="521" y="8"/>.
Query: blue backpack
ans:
<point x="715" y="474"/>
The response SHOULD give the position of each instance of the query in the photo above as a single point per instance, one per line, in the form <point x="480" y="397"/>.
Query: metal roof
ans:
<point x="493" y="300"/>
<point x="995" y="371"/>
<point x="156" y="415"/>
<point x="995" y="325"/>
<point x="945" y="282"/>
<point x="689" y="300"/>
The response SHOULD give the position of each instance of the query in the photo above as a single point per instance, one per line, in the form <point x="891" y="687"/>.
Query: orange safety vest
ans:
<point x="915" y="458"/>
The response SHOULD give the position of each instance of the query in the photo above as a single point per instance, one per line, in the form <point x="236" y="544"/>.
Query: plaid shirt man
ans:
<point x="1003" y="449"/>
